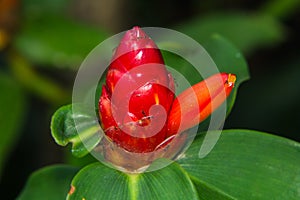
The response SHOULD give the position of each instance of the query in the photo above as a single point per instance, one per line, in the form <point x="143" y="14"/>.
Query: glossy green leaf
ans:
<point x="185" y="68"/>
<point x="247" y="31"/>
<point x="13" y="106"/>
<point x="245" y="164"/>
<point x="55" y="40"/>
<point x="228" y="59"/>
<point x="49" y="183"/>
<point x="98" y="181"/>
<point x="84" y="135"/>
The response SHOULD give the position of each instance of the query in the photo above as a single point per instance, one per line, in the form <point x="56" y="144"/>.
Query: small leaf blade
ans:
<point x="84" y="135"/>
<point x="52" y="182"/>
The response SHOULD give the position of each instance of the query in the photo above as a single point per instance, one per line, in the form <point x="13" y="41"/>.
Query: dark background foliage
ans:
<point x="43" y="42"/>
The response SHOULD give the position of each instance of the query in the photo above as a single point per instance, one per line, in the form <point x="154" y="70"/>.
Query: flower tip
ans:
<point x="135" y="33"/>
<point x="231" y="80"/>
<point x="134" y="39"/>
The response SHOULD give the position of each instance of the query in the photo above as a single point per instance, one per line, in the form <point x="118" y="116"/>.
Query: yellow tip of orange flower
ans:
<point x="231" y="80"/>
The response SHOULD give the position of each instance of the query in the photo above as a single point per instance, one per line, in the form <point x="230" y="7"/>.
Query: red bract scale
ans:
<point x="137" y="70"/>
<point x="137" y="108"/>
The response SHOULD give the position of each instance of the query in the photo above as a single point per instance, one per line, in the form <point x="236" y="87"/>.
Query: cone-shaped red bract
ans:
<point x="136" y="81"/>
<point x="137" y="108"/>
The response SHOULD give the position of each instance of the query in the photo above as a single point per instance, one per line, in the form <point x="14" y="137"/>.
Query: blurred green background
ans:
<point x="43" y="42"/>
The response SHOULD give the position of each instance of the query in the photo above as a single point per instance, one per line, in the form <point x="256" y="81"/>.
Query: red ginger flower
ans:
<point x="137" y="108"/>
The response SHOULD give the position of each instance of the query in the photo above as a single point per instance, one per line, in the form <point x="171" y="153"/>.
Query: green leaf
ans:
<point x="84" y="135"/>
<point x="97" y="181"/>
<point x="228" y="59"/>
<point x="55" y="40"/>
<point x="246" y="164"/>
<point x="13" y="106"/>
<point x="49" y="183"/>
<point x="185" y="68"/>
<point x="247" y="31"/>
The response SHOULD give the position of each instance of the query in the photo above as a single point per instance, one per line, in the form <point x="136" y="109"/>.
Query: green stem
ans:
<point x="133" y="185"/>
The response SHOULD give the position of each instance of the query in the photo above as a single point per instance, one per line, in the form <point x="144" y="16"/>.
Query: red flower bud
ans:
<point x="137" y="108"/>
<point x="136" y="82"/>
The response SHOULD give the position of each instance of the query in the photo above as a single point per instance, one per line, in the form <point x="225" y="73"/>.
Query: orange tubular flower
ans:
<point x="187" y="111"/>
<point x="148" y="87"/>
